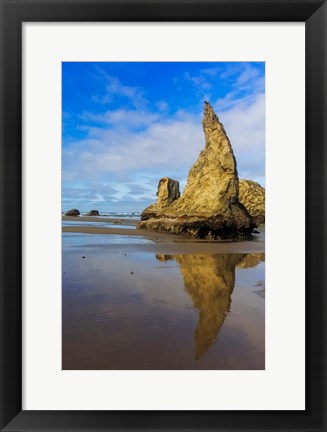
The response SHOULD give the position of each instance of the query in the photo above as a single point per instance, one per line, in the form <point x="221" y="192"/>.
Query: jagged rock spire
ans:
<point x="212" y="183"/>
<point x="209" y="206"/>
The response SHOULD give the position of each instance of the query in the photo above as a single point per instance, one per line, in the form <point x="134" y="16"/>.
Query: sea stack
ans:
<point x="92" y="213"/>
<point x="252" y="196"/>
<point x="72" y="212"/>
<point x="209" y="207"/>
<point x="168" y="192"/>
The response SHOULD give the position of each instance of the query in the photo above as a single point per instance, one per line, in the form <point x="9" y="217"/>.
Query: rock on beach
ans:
<point x="92" y="213"/>
<point x="72" y="212"/>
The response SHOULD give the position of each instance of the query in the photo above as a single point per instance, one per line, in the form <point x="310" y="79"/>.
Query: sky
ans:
<point x="126" y="125"/>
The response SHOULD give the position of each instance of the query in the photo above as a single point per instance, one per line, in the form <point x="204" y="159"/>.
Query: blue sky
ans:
<point x="126" y="125"/>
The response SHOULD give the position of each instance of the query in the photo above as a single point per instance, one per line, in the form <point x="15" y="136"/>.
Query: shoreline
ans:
<point x="107" y="219"/>
<point x="168" y="243"/>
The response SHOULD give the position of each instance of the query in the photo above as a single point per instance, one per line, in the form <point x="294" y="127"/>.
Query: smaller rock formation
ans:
<point x="168" y="192"/>
<point x="252" y="196"/>
<point x="92" y="213"/>
<point x="72" y="212"/>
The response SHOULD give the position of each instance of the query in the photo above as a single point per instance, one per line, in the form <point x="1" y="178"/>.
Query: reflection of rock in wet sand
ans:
<point x="210" y="279"/>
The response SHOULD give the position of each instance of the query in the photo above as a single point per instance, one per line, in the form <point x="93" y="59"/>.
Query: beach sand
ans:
<point x="135" y="299"/>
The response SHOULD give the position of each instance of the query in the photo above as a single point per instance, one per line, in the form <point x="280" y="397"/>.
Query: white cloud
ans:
<point x="120" y="117"/>
<point x="245" y="126"/>
<point x="165" y="147"/>
<point x="248" y="74"/>
<point x="114" y="88"/>
<point x="162" y="105"/>
<point x="212" y="72"/>
<point x="199" y="81"/>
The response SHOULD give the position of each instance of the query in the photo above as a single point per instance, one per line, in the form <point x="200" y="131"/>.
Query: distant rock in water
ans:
<point x="72" y="212"/>
<point x="209" y="207"/>
<point x="92" y="213"/>
<point x="168" y="192"/>
<point x="252" y="196"/>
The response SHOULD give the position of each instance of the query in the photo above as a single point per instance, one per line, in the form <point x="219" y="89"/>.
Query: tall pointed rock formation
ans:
<point x="212" y="184"/>
<point x="209" y="206"/>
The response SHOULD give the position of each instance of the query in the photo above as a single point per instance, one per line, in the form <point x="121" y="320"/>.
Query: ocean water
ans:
<point x="118" y="215"/>
<point x="107" y="220"/>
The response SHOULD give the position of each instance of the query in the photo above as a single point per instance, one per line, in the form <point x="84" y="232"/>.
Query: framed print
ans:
<point x="163" y="215"/>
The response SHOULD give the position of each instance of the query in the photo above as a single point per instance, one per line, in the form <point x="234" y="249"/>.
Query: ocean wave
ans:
<point x="124" y="215"/>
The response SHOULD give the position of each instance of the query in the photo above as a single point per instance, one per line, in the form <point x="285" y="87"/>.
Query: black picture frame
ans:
<point x="13" y="14"/>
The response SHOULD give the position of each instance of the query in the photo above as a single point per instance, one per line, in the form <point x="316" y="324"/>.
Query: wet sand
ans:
<point x="165" y="243"/>
<point x="139" y="300"/>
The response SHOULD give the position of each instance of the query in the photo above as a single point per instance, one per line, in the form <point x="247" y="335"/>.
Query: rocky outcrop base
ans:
<point x="212" y="228"/>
